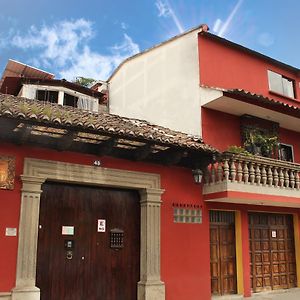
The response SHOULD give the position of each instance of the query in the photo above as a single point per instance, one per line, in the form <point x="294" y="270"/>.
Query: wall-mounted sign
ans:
<point x="7" y="172"/>
<point x="10" y="231"/>
<point x="101" y="225"/>
<point x="67" y="230"/>
<point x="274" y="234"/>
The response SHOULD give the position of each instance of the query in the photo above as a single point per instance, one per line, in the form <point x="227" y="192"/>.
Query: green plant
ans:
<point x="259" y="142"/>
<point x="238" y="150"/>
<point x="24" y="107"/>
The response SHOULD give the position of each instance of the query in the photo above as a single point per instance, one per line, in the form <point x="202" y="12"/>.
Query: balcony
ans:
<point x="252" y="180"/>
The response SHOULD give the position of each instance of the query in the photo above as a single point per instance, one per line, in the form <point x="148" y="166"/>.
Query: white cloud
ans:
<point x="163" y="9"/>
<point x="124" y="26"/>
<point x="229" y="19"/>
<point x="217" y="25"/>
<point x="95" y="65"/>
<point x="265" y="39"/>
<point x="65" y="46"/>
<point x="166" y="10"/>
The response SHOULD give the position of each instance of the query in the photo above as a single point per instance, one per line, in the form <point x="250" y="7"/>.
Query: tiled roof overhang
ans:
<point x="25" y="121"/>
<point x="266" y="102"/>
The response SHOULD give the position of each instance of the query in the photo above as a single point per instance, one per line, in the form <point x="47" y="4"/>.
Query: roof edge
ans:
<point x="250" y="51"/>
<point x="202" y="27"/>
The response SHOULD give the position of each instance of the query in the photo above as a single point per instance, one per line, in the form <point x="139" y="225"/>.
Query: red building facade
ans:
<point x="51" y="247"/>
<point x="254" y="95"/>
<point x="236" y="233"/>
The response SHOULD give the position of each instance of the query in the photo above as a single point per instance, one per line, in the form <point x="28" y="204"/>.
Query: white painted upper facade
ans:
<point x="85" y="102"/>
<point x="161" y="85"/>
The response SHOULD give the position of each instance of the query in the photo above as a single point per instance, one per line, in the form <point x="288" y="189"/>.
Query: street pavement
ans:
<point x="291" y="294"/>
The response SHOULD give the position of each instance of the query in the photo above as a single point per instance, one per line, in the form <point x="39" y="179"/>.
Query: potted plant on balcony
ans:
<point x="260" y="143"/>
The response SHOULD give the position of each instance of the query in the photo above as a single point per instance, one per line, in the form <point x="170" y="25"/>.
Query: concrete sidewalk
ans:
<point x="290" y="294"/>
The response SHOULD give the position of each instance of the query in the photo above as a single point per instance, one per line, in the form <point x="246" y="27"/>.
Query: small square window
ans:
<point x="281" y="84"/>
<point x="286" y="152"/>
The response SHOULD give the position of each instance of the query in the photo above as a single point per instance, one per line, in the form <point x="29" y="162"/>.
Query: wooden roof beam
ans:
<point x="143" y="152"/>
<point x="24" y="133"/>
<point x="172" y="156"/>
<point x="66" y="141"/>
<point x="106" y="147"/>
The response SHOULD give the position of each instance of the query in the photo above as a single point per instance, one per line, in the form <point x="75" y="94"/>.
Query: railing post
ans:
<point x="252" y="174"/>
<point x="281" y="178"/>
<point x="286" y="178"/>
<point x="226" y="169"/>
<point x="246" y="172"/>
<point x="220" y="172"/>
<point x="233" y="171"/>
<point x="297" y="180"/>
<point x="239" y="171"/>
<point x="276" y="178"/>
<point x="292" y="179"/>
<point x="257" y="174"/>
<point x="270" y="176"/>
<point x="263" y="175"/>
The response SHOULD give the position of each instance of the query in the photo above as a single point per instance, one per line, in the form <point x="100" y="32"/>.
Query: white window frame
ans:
<point x="286" y="145"/>
<point x="281" y="84"/>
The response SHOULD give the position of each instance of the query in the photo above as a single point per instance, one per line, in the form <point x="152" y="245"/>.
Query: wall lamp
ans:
<point x="197" y="174"/>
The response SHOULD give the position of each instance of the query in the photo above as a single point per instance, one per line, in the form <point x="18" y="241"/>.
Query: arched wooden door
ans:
<point x="89" y="243"/>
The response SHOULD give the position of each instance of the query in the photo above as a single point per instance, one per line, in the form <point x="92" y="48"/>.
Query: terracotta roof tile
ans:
<point x="48" y="113"/>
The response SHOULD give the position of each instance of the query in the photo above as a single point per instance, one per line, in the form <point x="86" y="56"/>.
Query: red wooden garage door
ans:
<point x="89" y="243"/>
<point x="272" y="251"/>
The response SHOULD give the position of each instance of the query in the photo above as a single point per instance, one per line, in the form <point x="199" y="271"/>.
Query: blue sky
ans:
<point x="90" y="38"/>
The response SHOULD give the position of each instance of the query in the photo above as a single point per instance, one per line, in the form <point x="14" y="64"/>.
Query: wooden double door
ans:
<point x="272" y="251"/>
<point x="88" y="244"/>
<point x="222" y="253"/>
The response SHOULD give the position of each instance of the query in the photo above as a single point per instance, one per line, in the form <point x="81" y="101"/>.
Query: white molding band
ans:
<point x="36" y="172"/>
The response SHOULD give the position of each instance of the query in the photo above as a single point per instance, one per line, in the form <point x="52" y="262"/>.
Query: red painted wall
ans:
<point x="291" y="138"/>
<point x="220" y="129"/>
<point x="184" y="247"/>
<point x="227" y="67"/>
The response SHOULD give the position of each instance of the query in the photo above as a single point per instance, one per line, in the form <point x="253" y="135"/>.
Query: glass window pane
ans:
<point x="288" y="88"/>
<point x="275" y="82"/>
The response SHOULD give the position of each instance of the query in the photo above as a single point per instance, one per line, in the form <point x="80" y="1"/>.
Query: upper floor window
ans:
<point x="286" y="152"/>
<point x="48" y="96"/>
<point x="70" y="100"/>
<point x="281" y="84"/>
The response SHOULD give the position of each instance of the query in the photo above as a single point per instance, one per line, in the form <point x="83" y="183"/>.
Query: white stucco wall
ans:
<point x="29" y="91"/>
<point x="161" y="86"/>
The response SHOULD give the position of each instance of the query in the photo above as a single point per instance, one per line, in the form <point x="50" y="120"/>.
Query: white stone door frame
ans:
<point x="36" y="172"/>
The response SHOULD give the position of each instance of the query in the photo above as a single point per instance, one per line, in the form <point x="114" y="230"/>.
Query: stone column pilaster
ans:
<point x="150" y="286"/>
<point x="28" y="237"/>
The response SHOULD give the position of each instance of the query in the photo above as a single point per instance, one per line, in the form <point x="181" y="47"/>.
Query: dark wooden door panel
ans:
<point x="272" y="251"/>
<point x="96" y="271"/>
<point x="222" y="253"/>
